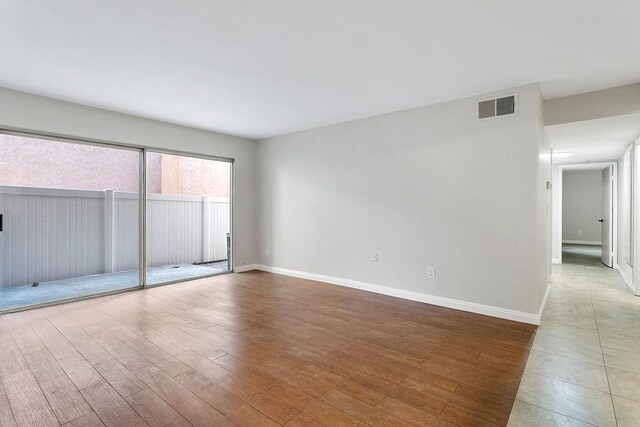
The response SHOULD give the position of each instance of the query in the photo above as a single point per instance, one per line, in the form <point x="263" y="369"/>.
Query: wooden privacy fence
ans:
<point x="52" y="234"/>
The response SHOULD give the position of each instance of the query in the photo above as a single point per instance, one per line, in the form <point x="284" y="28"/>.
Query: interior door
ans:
<point x="607" y="215"/>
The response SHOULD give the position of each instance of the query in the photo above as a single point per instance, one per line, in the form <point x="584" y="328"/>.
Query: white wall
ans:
<point x="624" y="216"/>
<point x="429" y="186"/>
<point x="30" y="112"/>
<point x="582" y="206"/>
<point x="543" y="234"/>
<point x="556" y="216"/>
<point x="611" y="102"/>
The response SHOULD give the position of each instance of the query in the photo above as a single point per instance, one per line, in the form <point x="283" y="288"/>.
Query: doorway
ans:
<point x="587" y="230"/>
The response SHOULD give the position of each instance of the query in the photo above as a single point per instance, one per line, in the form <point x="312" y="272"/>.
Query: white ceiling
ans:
<point x="260" y="68"/>
<point x="586" y="166"/>
<point x="594" y="140"/>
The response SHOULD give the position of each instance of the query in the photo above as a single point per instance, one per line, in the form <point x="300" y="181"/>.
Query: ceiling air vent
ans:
<point x="504" y="106"/>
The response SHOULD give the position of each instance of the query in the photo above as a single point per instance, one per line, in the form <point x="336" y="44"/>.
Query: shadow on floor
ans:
<point x="57" y="290"/>
<point x="582" y="255"/>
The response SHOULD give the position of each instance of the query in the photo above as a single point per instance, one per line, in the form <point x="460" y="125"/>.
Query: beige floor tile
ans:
<point x="608" y="285"/>
<point x="624" y="297"/>
<point x="568" y="348"/>
<point x="624" y="384"/>
<point x="526" y="415"/>
<point x="571" y="284"/>
<point x="572" y="301"/>
<point x="560" y="330"/>
<point x="603" y="273"/>
<point x="571" y="314"/>
<point x="627" y="412"/>
<point x="584" y="404"/>
<point x="568" y="294"/>
<point x="585" y="374"/>
<point x="615" y="308"/>
<point x="587" y="322"/>
<point x="576" y="276"/>
<point x="590" y="331"/>
<point x="610" y="321"/>
<point x="619" y="359"/>
<point x="601" y="270"/>
<point x="627" y="340"/>
<point x="570" y="273"/>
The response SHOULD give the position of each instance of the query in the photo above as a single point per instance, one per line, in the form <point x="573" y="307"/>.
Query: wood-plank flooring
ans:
<point x="257" y="349"/>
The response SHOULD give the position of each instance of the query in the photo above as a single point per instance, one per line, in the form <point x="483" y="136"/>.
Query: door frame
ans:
<point x="143" y="209"/>
<point x="607" y="179"/>
<point x="614" y="220"/>
<point x="635" y="220"/>
<point x="142" y="193"/>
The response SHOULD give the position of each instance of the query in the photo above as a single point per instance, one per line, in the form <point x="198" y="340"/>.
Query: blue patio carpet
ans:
<point x="56" y="290"/>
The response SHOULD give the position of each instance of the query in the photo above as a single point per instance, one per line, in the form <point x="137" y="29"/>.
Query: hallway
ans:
<point x="582" y="367"/>
<point x="582" y="255"/>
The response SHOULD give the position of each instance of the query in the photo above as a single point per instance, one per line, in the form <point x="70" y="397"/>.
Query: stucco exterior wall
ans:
<point x="30" y="162"/>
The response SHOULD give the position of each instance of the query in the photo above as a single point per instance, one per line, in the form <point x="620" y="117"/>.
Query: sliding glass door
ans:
<point x="188" y="217"/>
<point x="76" y="217"/>
<point x="70" y="220"/>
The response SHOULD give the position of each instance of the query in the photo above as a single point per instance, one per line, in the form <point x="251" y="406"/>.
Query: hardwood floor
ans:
<point x="258" y="349"/>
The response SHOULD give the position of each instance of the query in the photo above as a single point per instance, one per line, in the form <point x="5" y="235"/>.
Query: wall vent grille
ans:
<point x="498" y="107"/>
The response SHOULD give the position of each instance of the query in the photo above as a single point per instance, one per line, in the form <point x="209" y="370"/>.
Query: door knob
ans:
<point x="601" y="220"/>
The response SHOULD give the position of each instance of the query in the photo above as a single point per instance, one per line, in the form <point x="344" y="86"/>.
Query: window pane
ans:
<point x="188" y="217"/>
<point x="70" y="220"/>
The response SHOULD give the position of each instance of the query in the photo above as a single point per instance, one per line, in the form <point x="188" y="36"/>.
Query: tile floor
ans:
<point x="583" y="368"/>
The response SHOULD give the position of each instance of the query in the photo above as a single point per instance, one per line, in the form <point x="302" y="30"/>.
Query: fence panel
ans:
<point x="174" y="229"/>
<point x="220" y="226"/>
<point x="52" y="234"/>
<point x="125" y="231"/>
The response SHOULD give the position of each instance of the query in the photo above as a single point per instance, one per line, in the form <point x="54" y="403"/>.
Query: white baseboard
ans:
<point x="556" y="261"/>
<point x="624" y="276"/>
<point x="246" y="267"/>
<point x="488" y="310"/>
<point x="582" y="242"/>
<point x="544" y="303"/>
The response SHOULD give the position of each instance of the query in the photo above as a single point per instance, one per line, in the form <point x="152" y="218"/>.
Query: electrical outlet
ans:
<point x="431" y="272"/>
<point x="374" y="257"/>
<point x="267" y="251"/>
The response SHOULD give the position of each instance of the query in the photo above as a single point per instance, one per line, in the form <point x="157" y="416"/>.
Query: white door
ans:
<point x="607" y="216"/>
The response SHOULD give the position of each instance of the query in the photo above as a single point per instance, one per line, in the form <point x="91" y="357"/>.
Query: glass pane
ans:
<point x="188" y="217"/>
<point x="70" y="220"/>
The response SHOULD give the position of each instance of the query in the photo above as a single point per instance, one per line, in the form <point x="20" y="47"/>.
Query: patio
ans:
<point x="76" y="243"/>
<point x="56" y="290"/>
